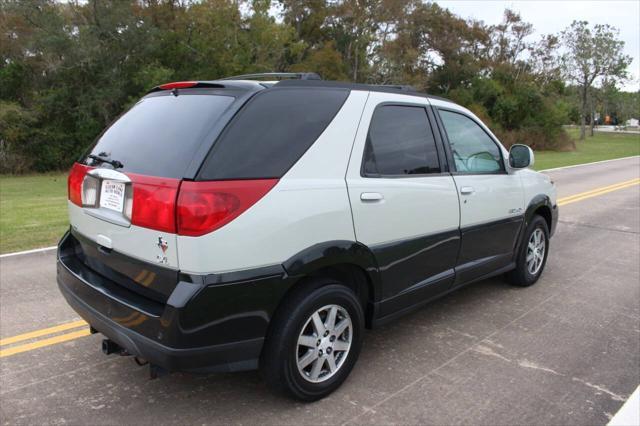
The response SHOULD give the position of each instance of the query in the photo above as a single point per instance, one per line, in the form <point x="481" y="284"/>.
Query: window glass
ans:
<point x="473" y="150"/>
<point x="400" y="142"/>
<point x="160" y="134"/>
<point x="272" y="132"/>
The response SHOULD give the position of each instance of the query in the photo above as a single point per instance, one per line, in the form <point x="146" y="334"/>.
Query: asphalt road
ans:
<point x="565" y="351"/>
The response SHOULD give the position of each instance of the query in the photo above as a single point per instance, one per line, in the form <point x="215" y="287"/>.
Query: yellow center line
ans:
<point x="85" y="331"/>
<point x="600" y="189"/>
<point x="596" y="192"/>
<point x="45" y="342"/>
<point x="42" y="332"/>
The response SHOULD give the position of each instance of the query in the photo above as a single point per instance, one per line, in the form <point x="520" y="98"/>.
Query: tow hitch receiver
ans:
<point x="110" y="347"/>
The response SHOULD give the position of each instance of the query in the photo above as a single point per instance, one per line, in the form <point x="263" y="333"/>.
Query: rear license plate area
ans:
<point x="112" y="195"/>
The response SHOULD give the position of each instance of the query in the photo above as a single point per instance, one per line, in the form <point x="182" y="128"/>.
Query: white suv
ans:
<point x="233" y="224"/>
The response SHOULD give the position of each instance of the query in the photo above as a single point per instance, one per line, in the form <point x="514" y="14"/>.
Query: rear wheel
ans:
<point x="533" y="253"/>
<point x="314" y="342"/>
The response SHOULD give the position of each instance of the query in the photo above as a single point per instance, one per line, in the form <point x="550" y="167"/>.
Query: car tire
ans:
<point x="291" y="367"/>
<point x="532" y="255"/>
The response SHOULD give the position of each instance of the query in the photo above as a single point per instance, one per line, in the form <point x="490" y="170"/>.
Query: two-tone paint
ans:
<point x="399" y="241"/>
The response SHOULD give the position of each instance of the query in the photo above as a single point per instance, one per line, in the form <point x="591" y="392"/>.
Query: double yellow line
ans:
<point x="80" y="328"/>
<point x="598" y="191"/>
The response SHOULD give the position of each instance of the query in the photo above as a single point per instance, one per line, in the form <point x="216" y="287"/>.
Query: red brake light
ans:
<point x="74" y="182"/>
<point x="204" y="207"/>
<point x="154" y="201"/>
<point x="182" y="207"/>
<point x="178" y="85"/>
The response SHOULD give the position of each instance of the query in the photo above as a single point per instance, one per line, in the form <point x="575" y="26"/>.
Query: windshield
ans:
<point x="160" y="134"/>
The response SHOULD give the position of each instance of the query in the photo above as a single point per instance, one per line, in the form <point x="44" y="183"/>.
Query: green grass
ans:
<point x="602" y="146"/>
<point x="33" y="211"/>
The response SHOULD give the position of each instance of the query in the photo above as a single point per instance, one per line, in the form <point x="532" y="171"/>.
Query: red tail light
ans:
<point x="74" y="182"/>
<point x="154" y="202"/>
<point x="204" y="207"/>
<point x="180" y="207"/>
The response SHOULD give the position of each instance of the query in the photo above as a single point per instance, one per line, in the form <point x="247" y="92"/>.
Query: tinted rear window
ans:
<point x="272" y="132"/>
<point x="160" y="134"/>
<point x="400" y="142"/>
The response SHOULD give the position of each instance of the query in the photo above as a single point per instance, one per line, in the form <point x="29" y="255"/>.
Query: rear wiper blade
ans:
<point x="115" y="163"/>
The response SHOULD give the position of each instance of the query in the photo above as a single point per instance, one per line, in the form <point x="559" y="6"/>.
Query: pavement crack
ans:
<point x="486" y="350"/>
<point x="604" y="228"/>
<point x="451" y="360"/>
<point x="528" y="364"/>
<point x="602" y="389"/>
<point x="471" y="336"/>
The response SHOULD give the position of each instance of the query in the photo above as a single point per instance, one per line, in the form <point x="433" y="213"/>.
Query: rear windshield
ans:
<point x="160" y="134"/>
<point x="272" y="132"/>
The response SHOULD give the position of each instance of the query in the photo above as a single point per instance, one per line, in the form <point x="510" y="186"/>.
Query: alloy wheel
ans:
<point x="323" y="343"/>
<point x="535" y="251"/>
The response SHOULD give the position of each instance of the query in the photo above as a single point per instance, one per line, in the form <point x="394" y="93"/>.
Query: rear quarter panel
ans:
<point x="309" y="205"/>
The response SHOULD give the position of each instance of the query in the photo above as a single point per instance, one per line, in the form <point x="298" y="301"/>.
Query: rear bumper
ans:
<point x="203" y="327"/>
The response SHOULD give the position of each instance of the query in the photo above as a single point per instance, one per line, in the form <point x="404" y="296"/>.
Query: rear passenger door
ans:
<point x="491" y="199"/>
<point x="404" y="203"/>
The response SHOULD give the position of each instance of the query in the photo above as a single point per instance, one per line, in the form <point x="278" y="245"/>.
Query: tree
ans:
<point x="592" y="54"/>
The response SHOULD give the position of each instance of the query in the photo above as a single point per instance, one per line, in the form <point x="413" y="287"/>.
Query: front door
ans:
<point x="491" y="199"/>
<point x="405" y="209"/>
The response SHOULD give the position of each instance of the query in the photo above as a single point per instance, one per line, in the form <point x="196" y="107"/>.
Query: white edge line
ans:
<point x="588" y="164"/>
<point x="629" y="413"/>
<point x="18" y="253"/>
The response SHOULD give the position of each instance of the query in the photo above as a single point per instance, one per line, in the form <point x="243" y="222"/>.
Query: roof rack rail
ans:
<point x="405" y="87"/>
<point x="276" y="75"/>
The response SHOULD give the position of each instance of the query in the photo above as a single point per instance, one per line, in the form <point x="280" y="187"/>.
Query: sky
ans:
<point x="551" y="17"/>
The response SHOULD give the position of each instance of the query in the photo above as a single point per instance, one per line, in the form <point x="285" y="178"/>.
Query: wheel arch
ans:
<point x="539" y="205"/>
<point x="348" y="262"/>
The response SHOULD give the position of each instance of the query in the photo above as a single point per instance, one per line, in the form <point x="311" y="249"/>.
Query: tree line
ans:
<point x="69" y="68"/>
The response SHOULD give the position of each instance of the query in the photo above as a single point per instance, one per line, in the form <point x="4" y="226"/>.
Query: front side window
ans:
<point x="472" y="148"/>
<point x="400" y="142"/>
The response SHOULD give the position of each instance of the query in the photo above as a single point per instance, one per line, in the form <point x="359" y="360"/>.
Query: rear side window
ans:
<point x="472" y="148"/>
<point x="400" y="142"/>
<point x="271" y="133"/>
<point x="160" y="134"/>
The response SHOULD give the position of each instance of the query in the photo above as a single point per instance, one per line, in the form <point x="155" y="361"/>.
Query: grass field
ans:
<point x="602" y="146"/>
<point x="33" y="209"/>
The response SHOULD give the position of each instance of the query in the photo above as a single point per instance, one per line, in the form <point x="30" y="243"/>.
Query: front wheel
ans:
<point x="314" y="343"/>
<point x="532" y="255"/>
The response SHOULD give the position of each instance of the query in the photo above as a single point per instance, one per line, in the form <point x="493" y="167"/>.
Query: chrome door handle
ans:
<point x="466" y="190"/>
<point x="371" y="196"/>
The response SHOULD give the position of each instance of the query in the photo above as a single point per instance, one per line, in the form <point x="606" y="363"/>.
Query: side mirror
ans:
<point x="520" y="156"/>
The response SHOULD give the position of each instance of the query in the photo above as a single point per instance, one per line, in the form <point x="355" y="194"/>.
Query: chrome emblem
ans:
<point x="163" y="246"/>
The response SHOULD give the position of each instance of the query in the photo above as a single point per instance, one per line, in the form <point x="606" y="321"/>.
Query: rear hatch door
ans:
<point x="122" y="193"/>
